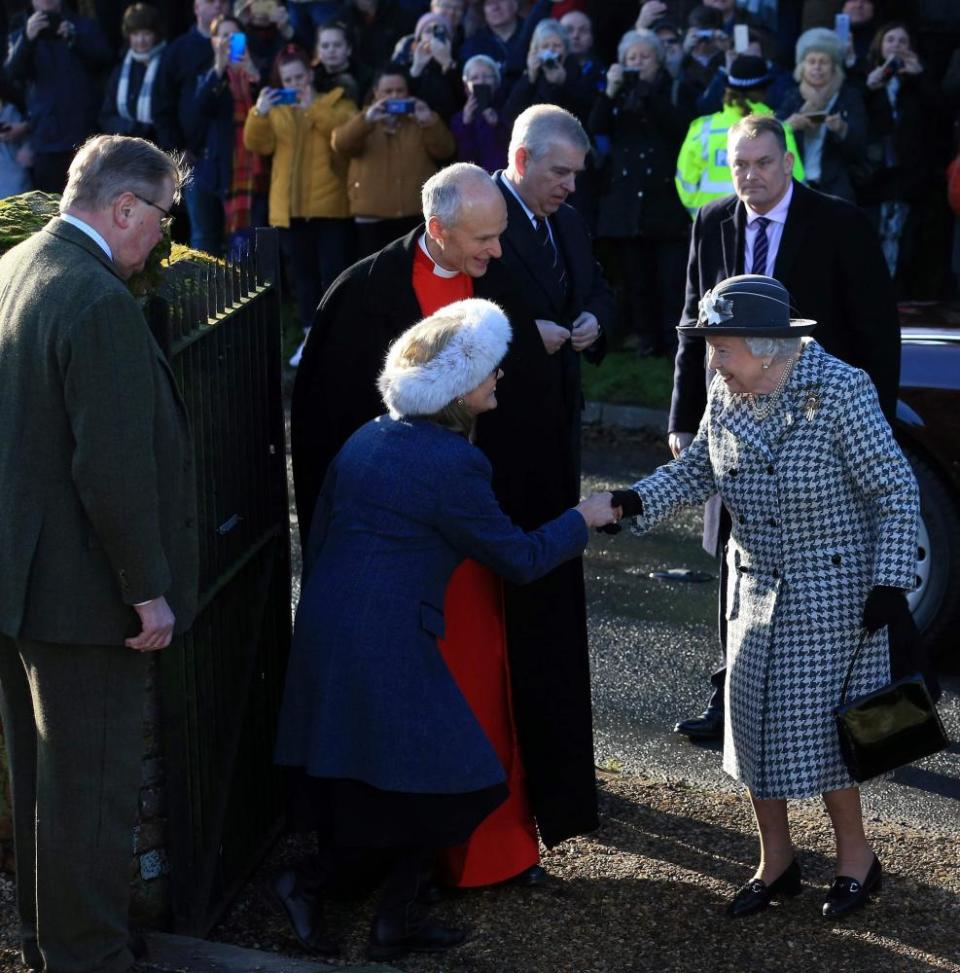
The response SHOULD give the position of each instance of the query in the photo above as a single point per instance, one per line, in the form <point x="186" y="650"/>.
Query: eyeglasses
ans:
<point x="166" y="220"/>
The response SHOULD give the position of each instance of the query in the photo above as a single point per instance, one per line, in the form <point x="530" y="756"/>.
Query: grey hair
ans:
<point x="539" y="126"/>
<point x="779" y="349"/>
<point x="442" y="193"/>
<point x="641" y="36"/>
<point x="482" y="59"/>
<point x="549" y="28"/>
<point x="107" y="165"/>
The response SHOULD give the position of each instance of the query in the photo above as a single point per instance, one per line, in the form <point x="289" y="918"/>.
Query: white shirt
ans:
<point x="90" y="232"/>
<point x="777" y="217"/>
<point x="531" y="216"/>
<point x="437" y="269"/>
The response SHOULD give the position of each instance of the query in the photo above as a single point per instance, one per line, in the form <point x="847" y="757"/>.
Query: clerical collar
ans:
<point x="437" y="269"/>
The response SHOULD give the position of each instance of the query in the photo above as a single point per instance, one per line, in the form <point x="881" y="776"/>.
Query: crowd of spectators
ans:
<point x="324" y="117"/>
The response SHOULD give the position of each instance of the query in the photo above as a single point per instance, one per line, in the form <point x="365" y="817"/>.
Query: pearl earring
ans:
<point x="765" y="365"/>
<point x="460" y="401"/>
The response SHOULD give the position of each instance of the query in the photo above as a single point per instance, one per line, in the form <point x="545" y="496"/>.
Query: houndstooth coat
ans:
<point x="824" y="506"/>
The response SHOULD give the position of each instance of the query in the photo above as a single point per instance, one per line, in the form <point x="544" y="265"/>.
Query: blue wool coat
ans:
<point x="368" y="695"/>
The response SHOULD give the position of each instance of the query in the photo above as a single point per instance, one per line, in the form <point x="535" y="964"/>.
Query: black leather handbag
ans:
<point x="889" y="727"/>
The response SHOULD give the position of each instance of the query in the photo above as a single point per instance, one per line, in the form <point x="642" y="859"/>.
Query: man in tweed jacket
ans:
<point x="97" y="543"/>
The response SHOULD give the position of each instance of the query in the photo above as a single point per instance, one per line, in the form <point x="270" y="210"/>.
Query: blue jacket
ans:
<point x="63" y="96"/>
<point x="368" y="695"/>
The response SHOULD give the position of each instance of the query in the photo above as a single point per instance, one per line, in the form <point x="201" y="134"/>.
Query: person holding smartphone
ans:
<point x="900" y="106"/>
<point x="394" y="146"/>
<point x="308" y="188"/>
<point x="826" y="113"/>
<point x="481" y="136"/>
<point x="433" y="68"/>
<point x="215" y="118"/>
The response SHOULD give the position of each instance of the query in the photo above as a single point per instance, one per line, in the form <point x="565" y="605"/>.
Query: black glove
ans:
<point x="628" y="501"/>
<point x="884" y="606"/>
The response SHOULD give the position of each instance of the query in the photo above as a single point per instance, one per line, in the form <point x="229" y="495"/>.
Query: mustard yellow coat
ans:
<point x="307" y="179"/>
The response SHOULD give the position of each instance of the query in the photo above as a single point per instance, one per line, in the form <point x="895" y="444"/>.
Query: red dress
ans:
<point x="475" y="650"/>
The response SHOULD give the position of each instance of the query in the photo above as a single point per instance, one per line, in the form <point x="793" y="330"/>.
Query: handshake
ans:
<point x="605" y="510"/>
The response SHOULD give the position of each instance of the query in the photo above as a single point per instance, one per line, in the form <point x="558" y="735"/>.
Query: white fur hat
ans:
<point x="476" y="347"/>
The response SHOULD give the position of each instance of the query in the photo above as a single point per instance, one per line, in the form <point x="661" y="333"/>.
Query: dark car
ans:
<point x="928" y="427"/>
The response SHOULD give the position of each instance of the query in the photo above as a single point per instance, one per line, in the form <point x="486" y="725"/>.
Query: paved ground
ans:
<point x="653" y="650"/>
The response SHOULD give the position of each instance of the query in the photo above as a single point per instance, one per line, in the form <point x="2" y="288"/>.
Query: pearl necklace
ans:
<point x="763" y="409"/>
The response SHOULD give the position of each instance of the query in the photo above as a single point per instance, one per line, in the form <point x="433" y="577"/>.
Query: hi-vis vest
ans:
<point x="702" y="170"/>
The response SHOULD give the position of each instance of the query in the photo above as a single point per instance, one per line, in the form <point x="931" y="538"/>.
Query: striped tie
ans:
<point x="543" y="235"/>
<point x="761" y="246"/>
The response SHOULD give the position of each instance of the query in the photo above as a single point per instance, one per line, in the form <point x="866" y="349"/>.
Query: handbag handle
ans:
<point x="856" y="655"/>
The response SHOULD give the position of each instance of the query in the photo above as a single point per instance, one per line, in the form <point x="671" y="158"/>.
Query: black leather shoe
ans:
<point x="391" y="940"/>
<point x="531" y="878"/>
<point x="847" y="894"/>
<point x="756" y="895"/>
<point x="707" y="726"/>
<point x="286" y="894"/>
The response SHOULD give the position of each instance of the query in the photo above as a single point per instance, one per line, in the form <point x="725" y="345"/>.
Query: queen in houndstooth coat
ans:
<point x="824" y="507"/>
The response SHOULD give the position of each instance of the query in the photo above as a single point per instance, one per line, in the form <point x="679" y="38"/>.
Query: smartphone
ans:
<point x="741" y="38"/>
<point x="841" y="27"/>
<point x="285" y="96"/>
<point x="53" y="24"/>
<point x="483" y="93"/>
<point x="817" y="117"/>
<point x="549" y="58"/>
<point x="440" y="33"/>
<point x="704" y="35"/>
<point x="238" y="46"/>
<point x="399" y="106"/>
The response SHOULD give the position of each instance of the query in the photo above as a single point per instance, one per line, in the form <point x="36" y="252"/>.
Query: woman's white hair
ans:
<point x="487" y="62"/>
<point x="549" y="28"/>
<point x="779" y="349"/>
<point x="641" y="36"/>
<point x="443" y="357"/>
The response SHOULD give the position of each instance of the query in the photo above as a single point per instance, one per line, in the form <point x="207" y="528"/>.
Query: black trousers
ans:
<point x="317" y="252"/>
<point x="653" y="272"/>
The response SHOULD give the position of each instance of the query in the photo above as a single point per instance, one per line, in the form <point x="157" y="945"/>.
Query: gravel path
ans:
<point x="646" y="892"/>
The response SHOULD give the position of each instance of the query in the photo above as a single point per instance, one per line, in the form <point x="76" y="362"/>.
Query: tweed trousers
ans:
<point x="73" y="721"/>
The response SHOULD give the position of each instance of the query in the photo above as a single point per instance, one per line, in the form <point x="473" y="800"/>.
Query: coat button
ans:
<point x="836" y="559"/>
<point x="771" y="469"/>
<point x="773" y="522"/>
<point x="776" y="573"/>
<point x="742" y="519"/>
<point x="732" y="472"/>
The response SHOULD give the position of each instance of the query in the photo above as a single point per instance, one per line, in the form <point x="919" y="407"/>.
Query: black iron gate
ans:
<point x="220" y="685"/>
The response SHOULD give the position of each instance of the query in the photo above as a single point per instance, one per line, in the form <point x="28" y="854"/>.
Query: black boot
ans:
<point x="291" y="895"/>
<point x="401" y="924"/>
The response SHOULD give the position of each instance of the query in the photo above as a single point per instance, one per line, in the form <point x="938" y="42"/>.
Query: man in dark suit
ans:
<point x="827" y="255"/>
<point x="97" y="542"/>
<point x="533" y="441"/>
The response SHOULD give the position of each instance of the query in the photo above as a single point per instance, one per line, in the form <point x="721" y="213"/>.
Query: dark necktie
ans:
<point x="543" y="235"/>
<point x="761" y="246"/>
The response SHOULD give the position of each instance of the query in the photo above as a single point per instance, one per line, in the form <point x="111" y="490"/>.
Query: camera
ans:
<point x="285" y="96"/>
<point x="704" y="35"/>
<point x="399" y="106"/>
<point x="891" y="68"/>
<point x="439" y="32"/>
<point x="631" y="77"/>
<point x="549" y="59"/>
<point x="483" y="94"/>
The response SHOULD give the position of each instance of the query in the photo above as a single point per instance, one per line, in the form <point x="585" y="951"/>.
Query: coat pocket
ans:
<point x="431" y="619"/>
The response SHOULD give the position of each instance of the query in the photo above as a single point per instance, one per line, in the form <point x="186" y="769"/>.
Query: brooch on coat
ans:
<point x="810" y="405"/>
<point x="714" y="309"/>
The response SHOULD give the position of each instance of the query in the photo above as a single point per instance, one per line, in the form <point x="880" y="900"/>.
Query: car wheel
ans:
<point x="936" y="601"/>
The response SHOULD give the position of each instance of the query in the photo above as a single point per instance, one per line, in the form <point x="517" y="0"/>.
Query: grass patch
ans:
<point x="625" y="379"/>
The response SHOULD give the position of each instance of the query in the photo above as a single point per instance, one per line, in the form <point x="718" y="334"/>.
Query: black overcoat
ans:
<point x="533" y="440"/>
<point x="830" y="261"/>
